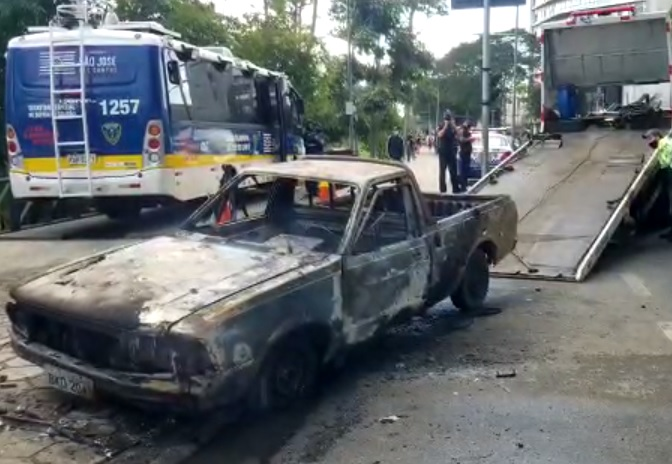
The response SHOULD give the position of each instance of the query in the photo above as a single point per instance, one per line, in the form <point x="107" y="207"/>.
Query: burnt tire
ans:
<point x="473" y="289"/>
<point x="288" y="376"/>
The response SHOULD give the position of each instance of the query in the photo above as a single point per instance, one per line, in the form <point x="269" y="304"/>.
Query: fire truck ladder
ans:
<point x="58" y="68"/>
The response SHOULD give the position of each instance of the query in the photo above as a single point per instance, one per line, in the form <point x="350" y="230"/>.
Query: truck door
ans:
<point x="387" y="262"/>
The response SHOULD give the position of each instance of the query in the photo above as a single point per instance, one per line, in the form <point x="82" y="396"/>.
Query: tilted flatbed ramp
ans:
<point x="571" y="200"/>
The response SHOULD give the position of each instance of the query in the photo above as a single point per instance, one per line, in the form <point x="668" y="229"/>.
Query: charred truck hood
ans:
<point x="155" y="283"/>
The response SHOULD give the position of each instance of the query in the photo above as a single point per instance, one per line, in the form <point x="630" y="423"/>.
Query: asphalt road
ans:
<point x="585" y="368"/>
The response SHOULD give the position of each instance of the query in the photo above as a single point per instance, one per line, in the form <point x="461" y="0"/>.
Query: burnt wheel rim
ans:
<point x="291" y="377"/>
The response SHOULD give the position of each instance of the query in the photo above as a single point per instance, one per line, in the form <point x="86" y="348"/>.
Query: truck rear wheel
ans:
<point x="473" y="289"/>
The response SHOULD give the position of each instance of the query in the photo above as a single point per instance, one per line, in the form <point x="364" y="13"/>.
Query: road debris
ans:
<point x="506" y="374"/>
<point x="82" y="432"/>
<point x="390" y="419"/>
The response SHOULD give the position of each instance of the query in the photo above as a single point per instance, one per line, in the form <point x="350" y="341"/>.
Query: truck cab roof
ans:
<point x="336" y="169"/>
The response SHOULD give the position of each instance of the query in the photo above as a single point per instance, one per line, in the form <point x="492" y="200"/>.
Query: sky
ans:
<point x="439" y="34"/>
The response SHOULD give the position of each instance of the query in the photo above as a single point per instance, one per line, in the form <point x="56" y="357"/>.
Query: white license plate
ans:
<point x="69" y="382"/>
<point x="80" y="159"/>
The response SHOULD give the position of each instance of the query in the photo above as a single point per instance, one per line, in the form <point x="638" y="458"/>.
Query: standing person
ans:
<point x="437" y="141"/>
<point x="663" y="152"/>
<point x="466" y="149"/>
<point x="448" y="154"/>
<point x="410" y="147"/>
<point x="395" y="146"/>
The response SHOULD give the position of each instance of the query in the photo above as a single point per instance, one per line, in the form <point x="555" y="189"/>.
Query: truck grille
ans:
<point x="93" y="347"/>
<point x="145" y="354"/>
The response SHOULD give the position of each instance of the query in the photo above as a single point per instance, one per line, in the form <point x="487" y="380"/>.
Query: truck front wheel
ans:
<point x="288" y="376"/>
<point x="473" y="289"/>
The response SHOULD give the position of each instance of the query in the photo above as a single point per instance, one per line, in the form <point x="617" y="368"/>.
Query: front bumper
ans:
<point x="150" y="391"/>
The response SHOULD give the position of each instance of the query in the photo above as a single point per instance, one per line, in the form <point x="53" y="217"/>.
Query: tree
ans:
<point x="15" y="17"/>
<point x="274" y="44"/>
<point x="143" y="10"/>
<point x="313" y="23"/>
<point x="383" y="30"/>
<point x="427" y="7"/>
<point x="458" y="73"/>
<point x="277" y="39"/>
<point x="495" y="88"/>
<point x="197" y="21"/>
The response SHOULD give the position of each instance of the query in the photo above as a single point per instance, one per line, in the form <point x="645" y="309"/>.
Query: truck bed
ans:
<point x="442" y="206"/>
<point x="571" y="200"/>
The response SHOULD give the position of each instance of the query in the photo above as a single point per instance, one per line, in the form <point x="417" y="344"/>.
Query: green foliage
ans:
<point x="372" y="22"/>
<point x="15" y="17"/>
<point x="197" y="21"/>
<point x="458" y="75"/>
<point x="495" y="88"/>
<point x="277" y="39"/>
<point x="273" y="43"/>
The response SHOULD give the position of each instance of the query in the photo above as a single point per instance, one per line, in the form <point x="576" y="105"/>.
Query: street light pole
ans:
<point x="514" y="110"/>
<point x="485" y="97"/>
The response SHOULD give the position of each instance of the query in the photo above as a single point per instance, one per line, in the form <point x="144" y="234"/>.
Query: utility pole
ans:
<point x="438" y="106"/>
<point x="485" y="113"/>
<point x="514" y="111"/>
<point x="350" y="106"/>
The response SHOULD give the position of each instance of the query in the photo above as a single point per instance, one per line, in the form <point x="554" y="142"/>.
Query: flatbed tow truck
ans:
<point x="572" y="199"/>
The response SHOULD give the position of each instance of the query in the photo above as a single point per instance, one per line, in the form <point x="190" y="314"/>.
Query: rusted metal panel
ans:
<point x="156" y="282"/>
<point x="343" y="170"/>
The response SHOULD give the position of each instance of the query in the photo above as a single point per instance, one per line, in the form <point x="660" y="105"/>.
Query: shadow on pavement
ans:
<point x="257" y="441"/>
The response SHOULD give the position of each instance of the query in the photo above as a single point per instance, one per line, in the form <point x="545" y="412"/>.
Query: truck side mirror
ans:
<point x="174" y="72"/>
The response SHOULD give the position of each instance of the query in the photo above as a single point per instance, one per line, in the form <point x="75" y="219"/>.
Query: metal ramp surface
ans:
<point x="571" y="200"/>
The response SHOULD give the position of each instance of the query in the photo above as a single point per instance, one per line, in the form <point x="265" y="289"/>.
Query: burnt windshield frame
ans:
<point x="201" y="219"/>
<point x="206" y="209"/>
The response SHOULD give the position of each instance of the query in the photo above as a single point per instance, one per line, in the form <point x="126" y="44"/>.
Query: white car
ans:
<point x="500" y="148"/>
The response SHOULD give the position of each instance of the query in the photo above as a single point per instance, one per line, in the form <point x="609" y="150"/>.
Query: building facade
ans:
<point x="543" y="11"/>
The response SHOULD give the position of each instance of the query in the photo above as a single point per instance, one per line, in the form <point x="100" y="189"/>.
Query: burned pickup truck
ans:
<point x="252" y="297"/>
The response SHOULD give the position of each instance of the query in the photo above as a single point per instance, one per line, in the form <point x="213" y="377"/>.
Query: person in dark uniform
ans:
<point x="465" y="140"/>
<point x="395" y="146"/>
<point x="437" y="142"/>
<point x="447" y="137"/>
